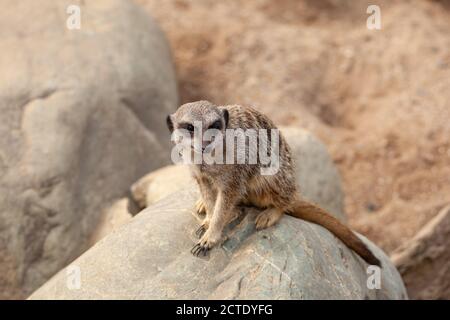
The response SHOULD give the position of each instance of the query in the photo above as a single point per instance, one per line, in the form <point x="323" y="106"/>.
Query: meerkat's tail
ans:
<point x="312" y="213"/>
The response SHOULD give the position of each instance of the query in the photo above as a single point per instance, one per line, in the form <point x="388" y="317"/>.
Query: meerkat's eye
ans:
<point x="216" y="125"/>
<point x="190" y="127"/>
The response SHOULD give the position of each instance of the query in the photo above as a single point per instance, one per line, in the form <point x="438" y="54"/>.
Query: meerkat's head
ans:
<point x="199" y="119"/>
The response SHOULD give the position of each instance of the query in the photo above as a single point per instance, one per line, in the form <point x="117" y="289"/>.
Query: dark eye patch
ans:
<point x="216" y="125"/>
<point x="187" y="126"/>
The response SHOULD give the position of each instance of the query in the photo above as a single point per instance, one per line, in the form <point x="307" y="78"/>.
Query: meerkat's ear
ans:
<point x="226" y="116"/>
<point x="169" y="123"/>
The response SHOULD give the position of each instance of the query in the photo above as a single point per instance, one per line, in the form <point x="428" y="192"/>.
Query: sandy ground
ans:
<point x="380" y="99"/>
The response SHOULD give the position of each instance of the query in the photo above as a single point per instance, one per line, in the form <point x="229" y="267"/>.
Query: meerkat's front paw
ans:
<point x="208" y="241"/>
<point x="198" y="250"/>
<point x="200" y="206"/>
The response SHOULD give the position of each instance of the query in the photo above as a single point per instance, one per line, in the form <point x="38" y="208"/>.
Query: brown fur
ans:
<point x="225" y="186"/>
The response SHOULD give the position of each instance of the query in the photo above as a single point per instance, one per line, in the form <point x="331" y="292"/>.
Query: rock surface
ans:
<point x="424" y="262"/>
<point x="82" y="118"/>
<point x="318" y="178"/>
<point x="160" y="183"/>
<point x="111" y="219"/>
<point x="149" y="258"/>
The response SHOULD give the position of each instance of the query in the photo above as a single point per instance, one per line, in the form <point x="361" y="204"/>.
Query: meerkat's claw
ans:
<point x="195" y="249"/>
<point x="200" y="231"/>
<point x="200" y="207"/>
<point x="199" y="249"/>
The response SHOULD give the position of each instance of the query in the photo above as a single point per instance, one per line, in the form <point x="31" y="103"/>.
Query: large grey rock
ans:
<point x="317" y="176"/>
<point x="82" y="118"/>
<point x="149" y="258"/>
<point x="424" y="261"/>
<point x="160" y="183"/>
<point x="112" y="217"/>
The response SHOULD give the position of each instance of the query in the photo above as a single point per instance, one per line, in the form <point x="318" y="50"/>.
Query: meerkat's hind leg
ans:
<point x="268" y="218"/>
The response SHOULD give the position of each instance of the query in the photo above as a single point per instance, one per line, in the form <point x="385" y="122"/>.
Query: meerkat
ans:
<point x="224" y="187"/>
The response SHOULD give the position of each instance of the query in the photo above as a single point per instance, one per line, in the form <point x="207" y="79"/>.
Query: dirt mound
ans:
<point x="378" y="98"/>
